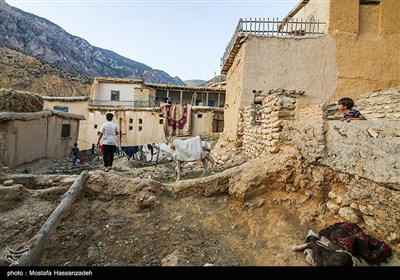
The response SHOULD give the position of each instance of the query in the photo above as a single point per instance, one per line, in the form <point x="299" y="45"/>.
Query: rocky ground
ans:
<point x="136" y="215"/>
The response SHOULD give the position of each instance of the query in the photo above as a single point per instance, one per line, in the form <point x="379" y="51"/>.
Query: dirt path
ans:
<point x="130" y="217"/>
<point x="185" y="231"/>
<point x="124" y="218"/>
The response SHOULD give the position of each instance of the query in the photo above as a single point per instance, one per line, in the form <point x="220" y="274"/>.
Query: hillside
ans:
<point x="195" y="83"/>
<point x="27" y="73"/>
<point x="217" y="79"/>
<point x="47" y="41"/>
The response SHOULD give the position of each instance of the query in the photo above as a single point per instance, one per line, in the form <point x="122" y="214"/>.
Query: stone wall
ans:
<point x="261" y="124"/>
<point x="382" y="104"/>
<point x="367" y="149"/>
<point x="362" y="156"/>
<point x="369" y="204"/>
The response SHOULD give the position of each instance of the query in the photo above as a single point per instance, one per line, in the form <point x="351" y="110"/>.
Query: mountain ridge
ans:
<point x="49" y="42"/>
<point x="195" y="82"/>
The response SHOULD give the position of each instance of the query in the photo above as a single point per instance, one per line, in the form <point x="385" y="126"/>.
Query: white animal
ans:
<point x="187" y="150"/>
<point x="164" y="151"/>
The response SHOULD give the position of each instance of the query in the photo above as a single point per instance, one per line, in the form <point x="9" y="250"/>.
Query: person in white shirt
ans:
<point x="108" y="131"/>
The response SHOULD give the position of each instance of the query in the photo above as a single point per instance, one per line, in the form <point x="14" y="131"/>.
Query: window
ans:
<point x="140" y="121"/>
<point x="61" y="108"/>
<point x="217" y="126"/>
<point x="130" y="120"/>
<point x="115" y="95"/>
<point x="161" y="121"/>
<point x="95" y="126"/>
<point x="199" y="116"/>
<point x="311" y="18"/>
<point x="211" y="103"/>
<point x="65" y="131"/>
<point x="369" y="2"/>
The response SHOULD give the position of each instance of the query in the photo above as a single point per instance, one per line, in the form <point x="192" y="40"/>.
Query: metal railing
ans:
<point x="143" y="102"/>
<point x="272" y="27"/>
<point x="150" y="102"/>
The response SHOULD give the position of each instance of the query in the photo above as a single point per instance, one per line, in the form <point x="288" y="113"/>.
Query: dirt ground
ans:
<point x="130" y="217"/>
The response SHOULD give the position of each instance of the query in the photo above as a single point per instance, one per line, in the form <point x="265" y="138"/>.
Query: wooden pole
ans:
<point x="38" y="242"/>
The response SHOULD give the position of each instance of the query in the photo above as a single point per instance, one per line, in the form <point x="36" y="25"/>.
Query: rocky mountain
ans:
<point x="47" y="41"/>
<point x="201" y="83"/>
<point x="217" y="79"/>
<point x="195" y="83"/>
<point x="23" y="72"/>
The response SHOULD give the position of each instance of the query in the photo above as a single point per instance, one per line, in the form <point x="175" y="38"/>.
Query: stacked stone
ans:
<point x="332" y="112"/>
<point x="240" y="131"/>
<point x="263" y="123"/>
<point x="249" y="125"/>
<point x="364" y="202"/>
<point x="315" y="112"/>
<point x="382" y="104"/>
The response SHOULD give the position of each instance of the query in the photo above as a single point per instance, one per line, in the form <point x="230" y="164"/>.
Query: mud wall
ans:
<point x="366" y="39"/>
<point x="234" y="81"/>
<point x="29" y="136"/>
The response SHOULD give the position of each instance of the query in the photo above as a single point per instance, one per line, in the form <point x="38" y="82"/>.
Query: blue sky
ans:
<point x="183" y="38"/>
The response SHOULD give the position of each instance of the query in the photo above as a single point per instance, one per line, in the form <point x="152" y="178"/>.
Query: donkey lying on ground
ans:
<point x="187" y="150"/>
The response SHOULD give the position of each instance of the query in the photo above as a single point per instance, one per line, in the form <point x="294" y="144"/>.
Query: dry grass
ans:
<point x="20" y="101"/>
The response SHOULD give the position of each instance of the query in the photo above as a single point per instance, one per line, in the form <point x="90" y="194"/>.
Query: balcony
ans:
<point x="151" y="102"/>
<point x="266" y="27"/>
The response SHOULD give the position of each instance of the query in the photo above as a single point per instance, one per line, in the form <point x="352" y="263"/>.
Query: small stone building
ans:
<point x="25" y="137"/>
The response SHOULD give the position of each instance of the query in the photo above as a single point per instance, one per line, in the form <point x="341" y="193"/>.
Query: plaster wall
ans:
<point x="138" y="127"/>
<point x="126" y="91"/>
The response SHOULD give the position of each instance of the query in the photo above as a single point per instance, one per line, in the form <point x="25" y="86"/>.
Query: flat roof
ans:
<point x="66" y="98"/>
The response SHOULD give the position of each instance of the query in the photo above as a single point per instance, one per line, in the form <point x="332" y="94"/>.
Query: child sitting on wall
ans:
<point x="345" y="105"/>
